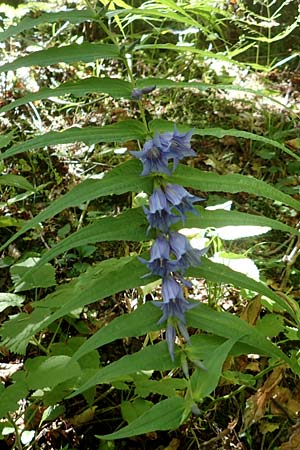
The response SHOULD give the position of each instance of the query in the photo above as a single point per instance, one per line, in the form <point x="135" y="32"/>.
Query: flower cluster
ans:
<point x="171" y="253"/>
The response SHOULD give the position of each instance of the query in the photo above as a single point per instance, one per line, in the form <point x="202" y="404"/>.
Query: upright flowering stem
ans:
<point x="171" y="253"/>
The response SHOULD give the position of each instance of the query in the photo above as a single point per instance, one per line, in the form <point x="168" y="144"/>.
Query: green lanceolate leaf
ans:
<point x="232" y="327"/>
<point x="141" y="321"/>
<point x="126" y="178"/>
<point x="219" y="273"/>
<point x="119" y="132"/>
<point x="164" y="125"/>
<point x="17" y="181"/>
<point x="123" y="178"/>
<point x="220" y="218"/>
<point x="165" y="83"/>
<point x="194" y="50"/>
<point x="153" y="357"/>
<point x="166" y="415"/>
<point x="112" y="86"/>
<point x="117" y="88"/>
<point x="132" y="226"/>
<point x="202" y="383"/>
<point x="128" y="226"/>
<point x="211" y="182"/>
<point x="71" y="16"/>
<point x="67" y="54"/>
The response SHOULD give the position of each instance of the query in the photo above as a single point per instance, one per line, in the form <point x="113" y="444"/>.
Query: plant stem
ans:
<point x="18" y="443"/>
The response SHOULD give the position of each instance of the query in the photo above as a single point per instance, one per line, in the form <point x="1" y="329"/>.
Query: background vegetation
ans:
<point x="84" y="363"/>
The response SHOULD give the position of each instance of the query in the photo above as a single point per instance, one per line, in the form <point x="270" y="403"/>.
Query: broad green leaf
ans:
<point x="203" y="345"/>
<point x="123" y="178"/>
<point x="99" y="281"/>
<point x="218" y="273"/>
<point x="49" y="371"/>
<point x="114" y="87"/>
<point x="17" y="332"/>
<point x="72" y="16"/>
<point x="132" y="226"/>
<point x="166" y="415"/>
<point x="204" y="382"/>
<point x="164" y="125"/>
<point x="153" y="357"/>
<point x="44" y="276"/>
<point x="123" y="131"/>
<point x="6" y="139"/>
<point x="131" y="410"/>
<point x="17" y="181"/>
<point x="167" y="386"/>
<point x="67" y="54"/>
<point x="232" y="327"/>
<point x="271" y="325"/>
<point x="7" y="300"/>
<point x="141" y="321"/>
<point x="11" y="395"/>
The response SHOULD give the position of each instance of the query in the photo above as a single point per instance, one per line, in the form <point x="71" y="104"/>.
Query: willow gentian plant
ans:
<point x="171" y="253"/>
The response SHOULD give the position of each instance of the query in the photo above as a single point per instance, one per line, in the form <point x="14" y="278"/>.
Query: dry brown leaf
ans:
<point x="256" y="404"/>
<point x="294" y="441"/>
<point x="293" y="143"/>
<point x="86" y="416"/>
<point x="284" y="402"/>
<point x="252" y="311"/>
<point x="174" y="444"/>
<point x="268" y="427"/>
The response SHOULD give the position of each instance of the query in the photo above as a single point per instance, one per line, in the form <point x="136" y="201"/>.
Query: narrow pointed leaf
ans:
<point x="166" y="415"/>
<point x="118" y="132"/>
<point x="220" y="218"/>
<point x="67" y="54"/>
<point x="123" y="178"/>
<point x="132" y="226"/>
<point x="219" y="273"/>
<point x="232" y="327"/>
<point x="128" y="226"/>
<point x="164" y="125"/>
<point x="72" y="16"/>
<point x="117" y="88"/>
<point x="204" y="382"/>
<point x="17" y="181"/>
<point x="139" y="322"/>
<point x="114" y="87"/>
<point x="211" y="182"/>
<point x="153" y="357"/>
